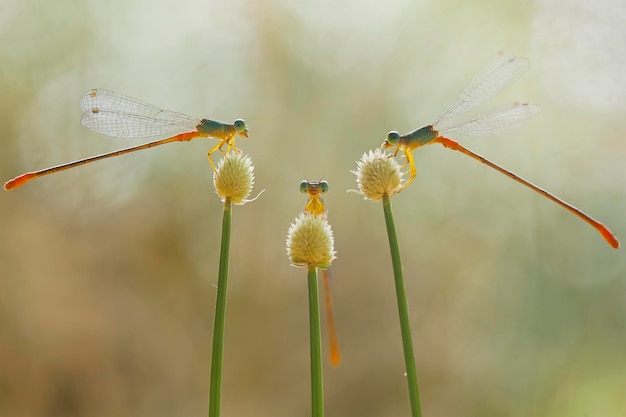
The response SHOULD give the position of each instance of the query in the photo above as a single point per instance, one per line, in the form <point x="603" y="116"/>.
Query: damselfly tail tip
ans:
<point x="17" y="181"/>
<point x="609" y="237"/>
<point x="9" y="185"/>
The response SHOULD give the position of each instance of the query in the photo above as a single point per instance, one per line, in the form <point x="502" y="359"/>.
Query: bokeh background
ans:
<point x="108" y="271"/>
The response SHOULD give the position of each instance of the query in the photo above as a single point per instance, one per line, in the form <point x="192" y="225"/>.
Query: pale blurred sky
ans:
<point x="581" y="46"/>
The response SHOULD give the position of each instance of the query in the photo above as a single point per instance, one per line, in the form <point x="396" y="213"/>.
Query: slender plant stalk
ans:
<point x="403" y="310"/>
<point x="317" y="391"/>
<point x="220" y="315"/>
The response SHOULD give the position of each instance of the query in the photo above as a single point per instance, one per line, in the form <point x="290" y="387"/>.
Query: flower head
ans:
<point x="310" y="242"/>
<point x="234" y="177"/>
<point x="377" y="174"/>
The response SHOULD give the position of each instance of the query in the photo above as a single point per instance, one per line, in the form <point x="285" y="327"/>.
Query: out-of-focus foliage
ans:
<point x="107" y="272"/>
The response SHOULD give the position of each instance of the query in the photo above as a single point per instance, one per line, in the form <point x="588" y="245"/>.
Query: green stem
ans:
<point x="317" y="391"/>
<point x="403" y="311"/>
<point x="220" y="315"/>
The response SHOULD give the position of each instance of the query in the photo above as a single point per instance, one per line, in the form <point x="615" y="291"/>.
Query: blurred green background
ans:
<point x="108" y="271"/>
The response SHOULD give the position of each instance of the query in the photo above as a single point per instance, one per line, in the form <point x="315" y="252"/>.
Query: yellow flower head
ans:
<point x="377" y="174"/>
<point x="234" y="177"/>
<point x="310" y="242"/>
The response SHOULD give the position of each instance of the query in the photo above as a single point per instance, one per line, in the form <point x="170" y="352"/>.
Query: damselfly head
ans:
<point x="241" y="128"/>
<point x="392" y="140"/>
<point x="314" y="188"/>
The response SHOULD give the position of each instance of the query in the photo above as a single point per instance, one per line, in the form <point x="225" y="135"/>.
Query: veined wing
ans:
<point x="496" y="121"/>
<point x="498" y="73"/>
<point x="117" y="115"/>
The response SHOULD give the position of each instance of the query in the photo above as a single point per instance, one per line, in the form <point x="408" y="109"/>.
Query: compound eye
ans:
<point x="240" y="125"/>
<point x="304" y="187"/>
<point x="324" y="187"/>
<point x="393" y="138"/>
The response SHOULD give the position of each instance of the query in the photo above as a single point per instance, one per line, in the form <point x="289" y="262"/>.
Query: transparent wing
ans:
<point x="117" y="115"/>
<point x="125" y="125"/>
<point x="496" y="121"/>
<point x="498" y="73"/>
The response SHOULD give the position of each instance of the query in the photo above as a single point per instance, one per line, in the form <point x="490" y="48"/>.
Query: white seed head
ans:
<point x="234" y="177"/>
<point x="310" y="242"/>
<point x="377" y="174"/>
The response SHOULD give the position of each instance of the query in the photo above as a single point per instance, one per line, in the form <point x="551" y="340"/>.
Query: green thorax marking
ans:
<point x="422" y="136"/>
<point x="213" y="128"/>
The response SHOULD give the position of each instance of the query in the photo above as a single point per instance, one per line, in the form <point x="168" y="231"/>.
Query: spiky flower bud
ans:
<point x="234" y="178"/>
<point x="310" y="242"/>
<point x="377" y="174"/>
